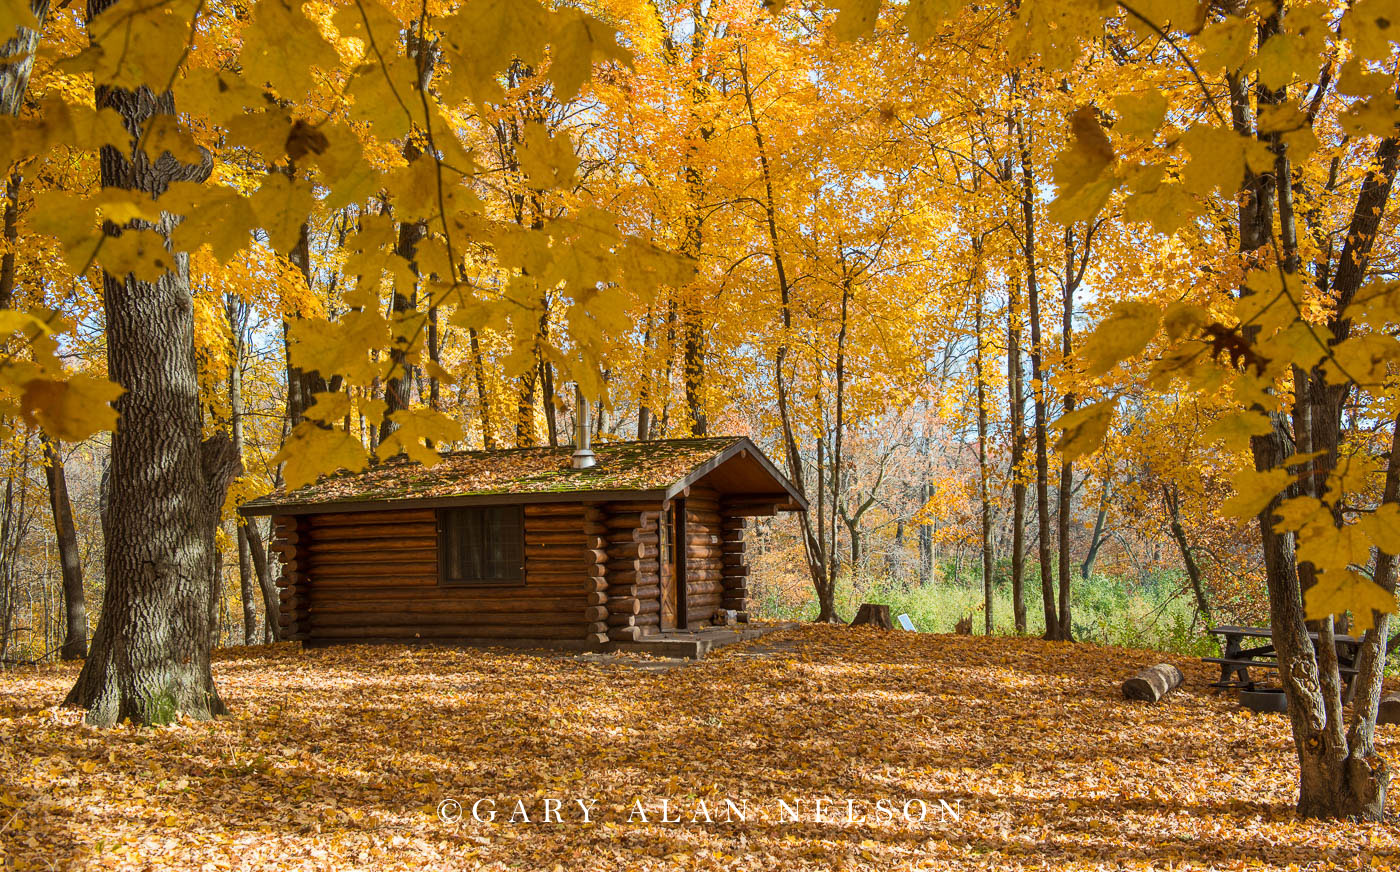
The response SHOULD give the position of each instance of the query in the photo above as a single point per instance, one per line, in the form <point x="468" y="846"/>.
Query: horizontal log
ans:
<point x="574" y="538"/>
<point x="625" y="634"/>
<point x="367" y="531"/>
<point x="624" y="605"/>
<point x="731" y="547"/>
<point x="648" y="592"/>
<point x="630" y="521"/>
<point x="597" y="627"/>
<point x="632" y="551"/>
<point x="653" y="620"/>
<point x="555" y="510"/>
<point x="616" y="578"/>
<point x="650" y="566"/>
<point x="573" y="620"/>
<point x="445" y="632"/>
<point x="595" y="528"/>
<point x="618" y="537"/>
<point x="596" y="597"/>
<point x="595" y="613"/>
<point x="416" y="544"/>
<point x="576" y="565"/>
<point x="700" y="588"/>
<point x="365" y="565"/>
<point x="561" y="608"/>
<point x="382" y="516"/>
<point x="621" y="620"/>
<point x="597" y="638"/>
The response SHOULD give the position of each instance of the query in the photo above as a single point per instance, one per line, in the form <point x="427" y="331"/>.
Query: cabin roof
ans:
<point x="656" y="469"/>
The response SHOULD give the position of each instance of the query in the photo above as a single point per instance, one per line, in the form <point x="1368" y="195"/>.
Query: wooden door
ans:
<point x="668" y="571"/>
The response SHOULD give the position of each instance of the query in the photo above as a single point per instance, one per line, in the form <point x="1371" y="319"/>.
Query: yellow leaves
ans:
<point x="312" y="451"/>
<point x="1226" y="43"/>
<point x="1342" y="590"/>
<point x="139" y="253"/>
<point x="1366" y="359"/>
<point x="578" y="41"/>
<point x="1140" y="114"/>
<point x="1124" y="333"/>
<point x="486" y="35"/>
<point x="339" y="347"/>
<point x="136" y="44"/>
<point x="1084" y="429"/>
<point x="1080" y="170"/>
<point x="415" y="426"/>
<point x="163" y="134"/>
<point x="854" y="18"/>
<point x="281" y="45"/>
<point x="1373" y="27"/>
<point x="215" y="216"/>
<point x="1383" y="527"/>
<point x="1218" y="158"/>
<point x="924" y="17"/>
<point x="548" y="161"/>
<point x="1236" y="428"/>
<point x="1330" y="547"/>
<point x="71" y="409"/>
<point x="1254" y="491"/>
<point x="282" y="205"/>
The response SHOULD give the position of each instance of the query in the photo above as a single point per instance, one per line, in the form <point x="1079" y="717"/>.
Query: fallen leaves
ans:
<point x="338" y="758"/>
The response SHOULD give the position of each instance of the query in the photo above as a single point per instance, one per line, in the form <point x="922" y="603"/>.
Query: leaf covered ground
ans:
<point x="339" y="759"/>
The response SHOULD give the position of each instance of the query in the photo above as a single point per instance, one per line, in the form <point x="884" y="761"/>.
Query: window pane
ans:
<point x="482" y="544"/>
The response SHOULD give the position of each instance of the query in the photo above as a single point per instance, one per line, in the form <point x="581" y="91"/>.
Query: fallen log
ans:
<point x="1153" y="682"/>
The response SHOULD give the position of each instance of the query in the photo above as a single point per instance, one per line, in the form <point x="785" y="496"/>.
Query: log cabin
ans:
<point x="525" y="547"/>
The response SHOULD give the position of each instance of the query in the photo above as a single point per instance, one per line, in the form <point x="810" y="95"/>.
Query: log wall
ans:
<point x="633" y="569"/>
<point x="735" y="579"/>
<point x="374" y="575"/>
<point x="704" y="566"/>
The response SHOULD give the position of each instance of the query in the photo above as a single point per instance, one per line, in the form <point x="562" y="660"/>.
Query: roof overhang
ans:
<point x="784" y="497"/>
<point x="511" y="499"/>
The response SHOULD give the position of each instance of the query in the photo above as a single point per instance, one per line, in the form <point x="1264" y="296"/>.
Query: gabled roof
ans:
<point x="658" y="469"/>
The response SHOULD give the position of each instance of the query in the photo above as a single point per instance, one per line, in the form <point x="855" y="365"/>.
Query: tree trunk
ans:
<point x="1042" y="471"/>
<point x="272" y="604"/>
<point x="1066" y="492"/>
<point x="1017" y="401"/>
<point x="1193" y="572"/>
<point x="1096" y="538"/>
<point x="150" y="653"/>
<point x="75" y="639"/>
<point x="983" y="471"/>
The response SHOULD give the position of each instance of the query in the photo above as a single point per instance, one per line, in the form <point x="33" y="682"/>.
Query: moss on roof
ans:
<point x="622" y="466"/>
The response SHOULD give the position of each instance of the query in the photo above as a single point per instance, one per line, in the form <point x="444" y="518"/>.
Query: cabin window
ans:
<point x="481" y="545"/>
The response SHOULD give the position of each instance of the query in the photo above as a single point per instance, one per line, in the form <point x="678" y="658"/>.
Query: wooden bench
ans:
<point x="1235" y="665"/>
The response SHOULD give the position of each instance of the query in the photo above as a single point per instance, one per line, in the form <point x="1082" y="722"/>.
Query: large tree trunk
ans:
<point x="75" y="638"/>
<point x="150" y="653"/>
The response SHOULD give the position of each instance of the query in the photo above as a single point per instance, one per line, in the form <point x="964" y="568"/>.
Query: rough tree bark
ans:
<point x="150" y="653"/>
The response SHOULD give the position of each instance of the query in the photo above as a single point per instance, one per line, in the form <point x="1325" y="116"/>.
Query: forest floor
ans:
<point x="1022" y="752"/>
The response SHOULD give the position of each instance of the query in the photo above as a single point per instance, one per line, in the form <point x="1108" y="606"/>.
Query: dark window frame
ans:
<point x="444" y="535"/>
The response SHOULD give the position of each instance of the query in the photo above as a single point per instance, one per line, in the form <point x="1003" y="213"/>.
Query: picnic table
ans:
<point x="1238" y="659"/>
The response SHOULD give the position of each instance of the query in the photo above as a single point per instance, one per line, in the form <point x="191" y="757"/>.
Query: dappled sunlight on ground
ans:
<point x="1022" y="752"/>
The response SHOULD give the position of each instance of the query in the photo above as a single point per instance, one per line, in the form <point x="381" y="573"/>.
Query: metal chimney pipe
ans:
<point x="583" y="458"/>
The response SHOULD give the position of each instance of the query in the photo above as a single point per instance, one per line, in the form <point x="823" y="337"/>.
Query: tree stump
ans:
<point x="873" y="614"/>
<point x="1390" y="709"/>
<point x="1153" y="683"/>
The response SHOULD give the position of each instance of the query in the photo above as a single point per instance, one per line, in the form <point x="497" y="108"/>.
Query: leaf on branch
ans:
<point x="1083" y="430"/>
<point x="417" y="426"/>
<point x="1080" y="173"/>
<point x="71" y="409"/>
<point x="1254" y="491"/>
<point x="1343" y="590"/>
<point x="1124" y="333"/>
<point x="313" y="450"/>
